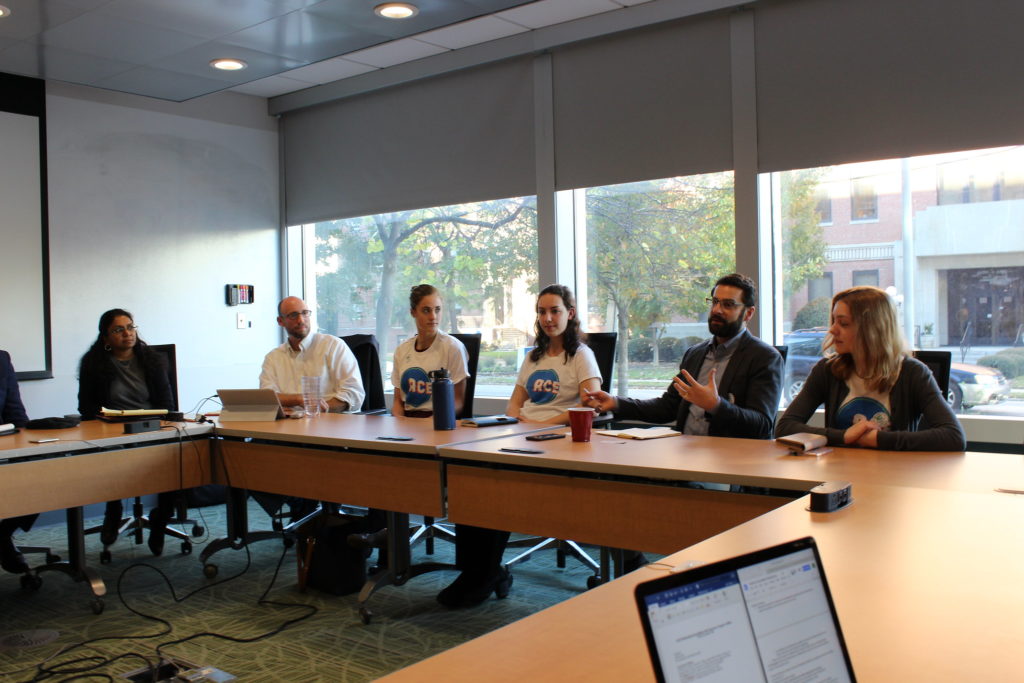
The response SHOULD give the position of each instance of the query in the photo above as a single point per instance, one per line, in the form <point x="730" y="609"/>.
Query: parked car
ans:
<point x="969" y="385"/>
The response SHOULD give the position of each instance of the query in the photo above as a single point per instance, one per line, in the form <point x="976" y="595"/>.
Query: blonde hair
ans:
<point x="879" y="339"/>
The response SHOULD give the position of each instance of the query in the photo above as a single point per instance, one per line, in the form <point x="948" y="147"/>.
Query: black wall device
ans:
<point x="141" y="426"/>
<point x="831" y="496"/>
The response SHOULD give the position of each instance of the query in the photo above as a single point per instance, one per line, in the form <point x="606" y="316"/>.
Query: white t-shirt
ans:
<point x="862" y="404"/>
<point x="409" y="374"/>
<point x="553" y="385"/>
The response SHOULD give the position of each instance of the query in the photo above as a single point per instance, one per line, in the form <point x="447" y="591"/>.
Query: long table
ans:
<point x="378" y="461"/>
<point x="93" y="463"/>
<point x="925" y="565"/>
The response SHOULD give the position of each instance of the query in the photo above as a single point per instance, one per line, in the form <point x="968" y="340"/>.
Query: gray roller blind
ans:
<point x="841" y="81"/>
<point x="461" y="137"/>
<point x="651" y="103"/>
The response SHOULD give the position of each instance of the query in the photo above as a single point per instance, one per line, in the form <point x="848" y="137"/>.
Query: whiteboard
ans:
<point x="23" y="247"/>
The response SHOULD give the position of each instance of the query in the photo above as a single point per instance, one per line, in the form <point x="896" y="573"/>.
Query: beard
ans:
<point x="725" y="329"/>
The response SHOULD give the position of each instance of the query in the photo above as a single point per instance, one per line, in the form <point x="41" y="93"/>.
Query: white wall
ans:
<point x="154" y="207"/>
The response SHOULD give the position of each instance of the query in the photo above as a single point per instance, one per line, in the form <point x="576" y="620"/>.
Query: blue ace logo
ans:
<point x="416" y="386"/>
<point x="542" y="386"/>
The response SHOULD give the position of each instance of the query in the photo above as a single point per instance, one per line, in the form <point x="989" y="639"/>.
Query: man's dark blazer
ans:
<point x="11" y="408"/>
<point x="750" y="387"/>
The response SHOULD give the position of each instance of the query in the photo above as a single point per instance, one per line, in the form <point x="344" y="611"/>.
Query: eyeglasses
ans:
<point x="726" y="304"/>
<point x="121" y="329"/>
<point x="294" y="315"/>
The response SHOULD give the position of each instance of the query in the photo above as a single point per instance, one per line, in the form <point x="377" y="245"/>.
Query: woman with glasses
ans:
<point x="875" y="394"/>
<point x="120" y="372"/>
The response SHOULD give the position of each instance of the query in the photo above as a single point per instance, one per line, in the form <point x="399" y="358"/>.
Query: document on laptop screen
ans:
<point x="766" y="622"/>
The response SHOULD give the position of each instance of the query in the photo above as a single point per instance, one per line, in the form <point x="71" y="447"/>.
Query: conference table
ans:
<point x="93" y="463"/>
<point x="378" y="461"/>
<point x="925" y="565"/>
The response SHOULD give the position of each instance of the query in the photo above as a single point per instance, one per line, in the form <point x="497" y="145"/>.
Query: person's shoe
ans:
<point x="467" y="592"/>
<point x="378" y="539"/>
<point x="111" y="522"/>
<point x="11" y="558"/>
<point x="157" y="530"/>
<point x="633" y="561"/>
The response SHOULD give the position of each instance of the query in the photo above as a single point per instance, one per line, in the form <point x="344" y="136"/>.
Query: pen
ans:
<point x="43" y="440"/>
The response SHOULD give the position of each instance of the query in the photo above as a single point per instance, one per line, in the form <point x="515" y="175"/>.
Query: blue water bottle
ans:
<point x="442" y="395"/>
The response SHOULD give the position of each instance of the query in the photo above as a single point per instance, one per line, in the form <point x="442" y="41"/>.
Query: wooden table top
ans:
<point x="364" y="431"/>
<point x="752" y="462"/>
<point x="926" y="584"/>
<point x="89" y="435"/>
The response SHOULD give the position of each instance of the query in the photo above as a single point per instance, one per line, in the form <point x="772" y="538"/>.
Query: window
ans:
<point x="653" y="251"/>
<point x="820" y="287"/>
<point x="863" y="199"/>
<point x="865" y="277"/>
<point x="966" y="281"/>
<point x="824" y="205"/>
<point x="481" y="256"/>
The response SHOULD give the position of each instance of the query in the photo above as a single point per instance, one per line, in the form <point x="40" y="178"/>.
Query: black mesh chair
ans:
<point x="367" y="352"/>
<point x="139" y="521"/>
<point x="940" y="363"/>
<point x="431" y="529"/>
<point x="603" y="345"/>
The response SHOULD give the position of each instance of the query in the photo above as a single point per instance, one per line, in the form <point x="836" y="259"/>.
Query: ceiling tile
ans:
<point x="395" y="52"/>
<point x="130" y="41"/>
<point x="59" y="65"/>
<point x="271" y="86"/>
<point x="207" y="18"/>
<point x="196" y="61"/>
<point x="548" y="12"/>
<point x="30" y="17"/>
<point x="165" y="85"/>
<point x="303" y="37"/>
<point x="329" y="70"/>
<point x="470" y="32"/>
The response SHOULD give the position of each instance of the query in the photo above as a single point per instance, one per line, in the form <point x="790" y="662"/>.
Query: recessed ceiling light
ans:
<point x="227" y="64"/>
<point x="4" y="11"/>
<point x="396" y="10"/>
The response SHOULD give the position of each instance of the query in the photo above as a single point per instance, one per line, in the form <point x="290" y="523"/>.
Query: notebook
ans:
<point x="763" y="616"/>
<point x="249" y="405"/>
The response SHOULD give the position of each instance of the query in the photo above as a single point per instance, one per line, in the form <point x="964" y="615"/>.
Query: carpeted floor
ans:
<point x="331" y="645"/>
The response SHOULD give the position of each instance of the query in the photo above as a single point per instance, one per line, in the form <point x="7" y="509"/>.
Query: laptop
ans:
<point x="249" y="405"/>
<point x="763" y="616"/>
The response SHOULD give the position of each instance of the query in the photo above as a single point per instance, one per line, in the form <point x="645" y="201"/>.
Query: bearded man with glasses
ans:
<point x="311" y="355"/>
<point x="728" y="385"/>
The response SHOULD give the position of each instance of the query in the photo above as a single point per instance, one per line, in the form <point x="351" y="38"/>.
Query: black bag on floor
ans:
<point x="326" y="561"/>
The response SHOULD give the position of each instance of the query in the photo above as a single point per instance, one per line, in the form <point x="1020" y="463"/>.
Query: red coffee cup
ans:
<point x="581" y="421"/>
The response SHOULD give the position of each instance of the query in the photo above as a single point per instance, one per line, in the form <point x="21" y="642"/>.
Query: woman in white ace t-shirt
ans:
<point x="429" y="350"/>
<point x="558" y="372"/>
<point x="553" y="379"/>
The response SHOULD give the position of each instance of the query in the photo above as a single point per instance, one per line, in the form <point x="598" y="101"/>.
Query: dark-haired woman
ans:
<point x="121" y="373"/>
<point x="554" y="377"/>
<point x="875" y="394"/>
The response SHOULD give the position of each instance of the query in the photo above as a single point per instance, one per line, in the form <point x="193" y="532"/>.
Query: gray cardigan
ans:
<point x="921" y="419"/>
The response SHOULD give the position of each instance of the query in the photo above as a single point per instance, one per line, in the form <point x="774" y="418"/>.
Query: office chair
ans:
<point x="603" y="345"/>
<point x="431" y="529"/>
<point x="940" y="363"/>
<point x="139" y="521"/>
<point x="783" y="350"/>
<point x="367" y="352"/>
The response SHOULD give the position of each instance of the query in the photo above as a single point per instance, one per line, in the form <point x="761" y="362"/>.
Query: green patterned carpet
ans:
<point x="331" y="645"/>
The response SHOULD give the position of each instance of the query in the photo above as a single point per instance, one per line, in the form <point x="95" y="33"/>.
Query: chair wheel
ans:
<point x="197" y="531"/>
<point x="96" y="605"/>
<point x="186" y="548"/>
<point x="52" y="558"/>
<point x="210" y="571"/>
<point x="365" y="615"/>
<point x="31" y="581"/>
<point x="105" y="556"/>
<point x="593" y="581"/>
<point x="289" y="541"/>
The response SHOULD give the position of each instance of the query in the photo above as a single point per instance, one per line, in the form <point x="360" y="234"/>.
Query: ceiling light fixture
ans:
<point x="228" y="64"/>
<point x="396" y="10"/>
<point x="4" y="11"/>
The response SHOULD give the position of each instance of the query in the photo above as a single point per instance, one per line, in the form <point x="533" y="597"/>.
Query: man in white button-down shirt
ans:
<point x="311" y="355"/>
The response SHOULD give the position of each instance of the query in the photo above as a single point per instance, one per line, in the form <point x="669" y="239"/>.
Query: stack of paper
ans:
<point x="639" y="432"/>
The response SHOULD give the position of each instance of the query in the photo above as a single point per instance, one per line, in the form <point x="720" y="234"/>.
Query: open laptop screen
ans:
<point x="764" y="616"/>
